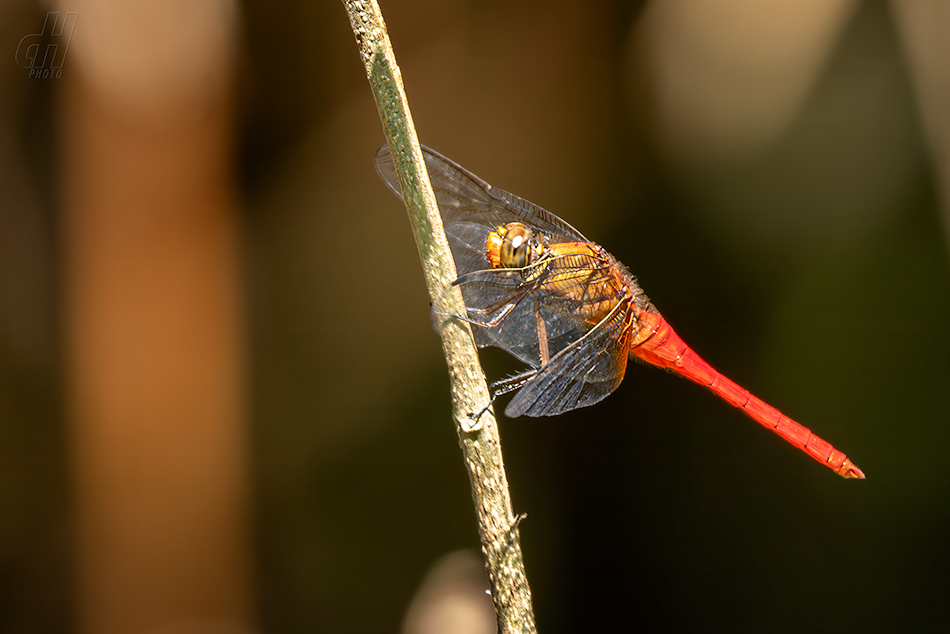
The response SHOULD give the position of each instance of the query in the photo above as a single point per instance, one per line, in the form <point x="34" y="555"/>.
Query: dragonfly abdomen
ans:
<point x="661" y="346"/>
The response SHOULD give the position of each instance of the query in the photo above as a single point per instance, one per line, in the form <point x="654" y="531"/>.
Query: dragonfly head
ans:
<point x="513" y="246"/>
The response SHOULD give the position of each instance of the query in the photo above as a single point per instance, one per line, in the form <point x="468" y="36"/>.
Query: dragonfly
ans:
<point x="535" y="287"/>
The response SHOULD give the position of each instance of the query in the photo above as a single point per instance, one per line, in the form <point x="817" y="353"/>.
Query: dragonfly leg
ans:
<point x="518" y="519"/>
<point x="493" y="322"/>
<point x="500" y="309"/>
<point x="500" y="388"/>
<point x="510" y="536"/>
<point x="512" y="383"/>
<point x="503" y="308"/>
<point x="476" y="418"/>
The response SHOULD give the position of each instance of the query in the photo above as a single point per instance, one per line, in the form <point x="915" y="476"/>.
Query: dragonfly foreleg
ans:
<point x="492" y="323"/>
<point x="500" y="309"/>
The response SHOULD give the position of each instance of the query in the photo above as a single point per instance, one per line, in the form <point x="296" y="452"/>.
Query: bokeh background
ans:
<point x="223" y="407"/>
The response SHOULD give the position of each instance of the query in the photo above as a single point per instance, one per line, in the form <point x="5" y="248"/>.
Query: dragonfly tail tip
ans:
<point x="849" y="470"/>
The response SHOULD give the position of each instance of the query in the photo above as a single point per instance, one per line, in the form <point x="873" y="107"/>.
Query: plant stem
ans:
<point x="481" y="446"/>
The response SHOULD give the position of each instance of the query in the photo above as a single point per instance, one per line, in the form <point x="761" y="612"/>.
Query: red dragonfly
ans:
<point x="538" y="289"/>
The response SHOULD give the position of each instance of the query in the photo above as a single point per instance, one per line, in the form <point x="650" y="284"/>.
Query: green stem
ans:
<point x="481" y="447"/>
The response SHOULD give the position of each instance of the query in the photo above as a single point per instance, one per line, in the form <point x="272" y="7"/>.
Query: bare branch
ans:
<point x="481" y="447"/>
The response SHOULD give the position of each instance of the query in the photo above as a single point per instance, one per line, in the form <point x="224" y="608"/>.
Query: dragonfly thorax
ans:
<point x="513" y="246"/>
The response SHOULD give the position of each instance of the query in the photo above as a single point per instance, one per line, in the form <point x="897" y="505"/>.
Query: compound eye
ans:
<point x="515" y="246"/>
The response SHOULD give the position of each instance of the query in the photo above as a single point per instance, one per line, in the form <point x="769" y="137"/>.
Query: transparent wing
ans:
<point x="581" y="374"/>
<point x="471" y="208"/>
<point x="554" y="295"/>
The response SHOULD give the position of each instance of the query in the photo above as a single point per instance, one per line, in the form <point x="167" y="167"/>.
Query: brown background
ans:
<point x="223" y="408"/>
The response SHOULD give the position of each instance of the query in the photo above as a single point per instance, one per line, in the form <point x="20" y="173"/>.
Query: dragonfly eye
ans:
<point x="515" y="246"/>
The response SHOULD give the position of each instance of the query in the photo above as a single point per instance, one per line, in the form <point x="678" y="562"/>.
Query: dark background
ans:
<point x="797" y="241"/>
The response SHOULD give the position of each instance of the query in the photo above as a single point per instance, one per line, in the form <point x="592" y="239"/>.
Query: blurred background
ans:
<point x="223" y="407"/>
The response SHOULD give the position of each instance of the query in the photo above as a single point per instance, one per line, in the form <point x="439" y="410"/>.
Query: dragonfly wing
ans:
<point x="581" y="374"/>
<point x="556" y="293"/>
<point x="471" y="208"/>
<point x="515" y="306"/>
<point x="467" y="200"/>
<point x="468" y="240"/>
